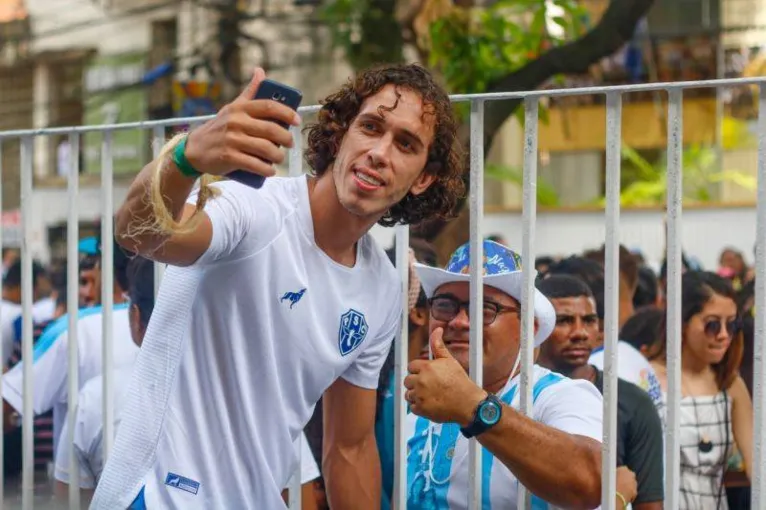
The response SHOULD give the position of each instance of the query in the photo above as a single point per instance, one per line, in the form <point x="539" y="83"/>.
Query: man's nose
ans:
<point x="380" y="153"/>
<point x="579" y="332"/>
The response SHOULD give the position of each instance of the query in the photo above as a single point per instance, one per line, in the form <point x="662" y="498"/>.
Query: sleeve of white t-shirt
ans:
<point x="309" y="468"/>
<point x="50" y="364"/>
<point x="87" y="438"/>
<point x="365" y="370"/>
<point x="83" y="451"/>
<point x="572" y="406"/>
<point x="244" y="221"/>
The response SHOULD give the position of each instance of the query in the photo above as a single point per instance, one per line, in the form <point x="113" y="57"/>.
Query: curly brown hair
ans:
<point x="445" y="155"/>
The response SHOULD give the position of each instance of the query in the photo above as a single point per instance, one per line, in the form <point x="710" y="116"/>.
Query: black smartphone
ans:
<point x="269" y="89"/>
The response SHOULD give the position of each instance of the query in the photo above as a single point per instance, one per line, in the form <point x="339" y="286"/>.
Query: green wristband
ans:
<point x="179" y="158"/>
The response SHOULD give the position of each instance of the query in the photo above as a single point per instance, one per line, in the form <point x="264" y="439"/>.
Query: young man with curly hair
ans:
<point x="275" y="296"/>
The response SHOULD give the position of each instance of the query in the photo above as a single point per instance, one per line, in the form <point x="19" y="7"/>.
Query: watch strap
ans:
<point x="478" y="426"/>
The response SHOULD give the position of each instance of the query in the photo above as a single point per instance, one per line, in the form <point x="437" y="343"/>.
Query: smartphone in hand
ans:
<point x="268" y="89"/>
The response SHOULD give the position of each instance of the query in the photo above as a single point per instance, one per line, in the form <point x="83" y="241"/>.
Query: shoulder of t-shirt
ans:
<point x="551" y="388"/>
<point x="280" y="190"/>
<point x="86" y="318"/>
<point x="639" y="400"/>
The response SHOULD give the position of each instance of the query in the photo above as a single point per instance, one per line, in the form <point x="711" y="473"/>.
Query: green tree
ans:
<point x="499" y="45"/>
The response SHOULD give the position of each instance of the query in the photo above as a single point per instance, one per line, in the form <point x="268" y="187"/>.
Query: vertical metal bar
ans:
<point x="673" y="360"/>
<point x="28" y="414"/>
<point x="107" y="289"/>
<point x="3" y="355"/>
<point x="295" y="157"/>
<point x="73" y="385"/>
<point x="158" y="140"/>
<point x="758" y="483"/>
<point x="400" y="371"/>
<point x="611" y="322"/>
<point x="476" y="347"/>
<point x="529" y="217"/>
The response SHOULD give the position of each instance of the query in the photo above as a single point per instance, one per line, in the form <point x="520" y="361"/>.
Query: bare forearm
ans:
<point x="352" y="477"/>
<point x="560" y="468"/>
<point x="138" y="212"/>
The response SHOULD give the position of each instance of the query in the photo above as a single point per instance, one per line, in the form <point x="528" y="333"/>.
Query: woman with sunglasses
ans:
<point x="716" y="409"/>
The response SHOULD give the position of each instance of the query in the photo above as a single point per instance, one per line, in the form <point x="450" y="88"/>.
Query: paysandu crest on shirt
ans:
<point x="352" y="331"/>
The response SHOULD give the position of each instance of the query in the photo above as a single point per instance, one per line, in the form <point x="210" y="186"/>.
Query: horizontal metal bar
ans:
<point x="493" y="96"/>
<point x="617" y="89"/>
<point x="144" y="124"/>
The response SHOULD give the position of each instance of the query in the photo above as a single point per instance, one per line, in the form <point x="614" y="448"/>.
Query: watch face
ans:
<point x="489" y="413"/>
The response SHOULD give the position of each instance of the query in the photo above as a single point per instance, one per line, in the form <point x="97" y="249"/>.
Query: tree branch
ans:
<point x="614" y="29"/>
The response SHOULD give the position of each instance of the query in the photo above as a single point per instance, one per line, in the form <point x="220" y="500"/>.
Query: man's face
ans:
<point x="501" y="336"/>
<point x="383" y="153"/>
<point x="90" y="287"/>
<point x="569" y="346"/>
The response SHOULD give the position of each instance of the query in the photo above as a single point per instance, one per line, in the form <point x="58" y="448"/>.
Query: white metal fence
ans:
<point x="478" y="104"/>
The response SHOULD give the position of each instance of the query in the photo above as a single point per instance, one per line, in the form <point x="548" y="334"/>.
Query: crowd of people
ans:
<point x="272" y="331"/>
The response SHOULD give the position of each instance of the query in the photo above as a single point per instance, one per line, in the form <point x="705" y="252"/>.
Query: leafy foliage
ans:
<point x="700" y="174"/>
<point x="546" y="193"/>
<point x="365" y="30"/>
<point x="473" y="47"/>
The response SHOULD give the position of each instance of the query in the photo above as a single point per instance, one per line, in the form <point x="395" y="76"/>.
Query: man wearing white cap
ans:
<point x="556" y="454"/>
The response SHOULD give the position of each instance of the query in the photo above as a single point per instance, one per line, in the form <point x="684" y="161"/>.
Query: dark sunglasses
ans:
<point x="444" y="308"/>
<point x="713" y="327"/>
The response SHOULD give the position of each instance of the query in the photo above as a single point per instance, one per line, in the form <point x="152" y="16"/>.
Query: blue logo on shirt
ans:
<point x="181" y="482"/>
<point x="293" y="297"/>
<point x="353" y="330"/>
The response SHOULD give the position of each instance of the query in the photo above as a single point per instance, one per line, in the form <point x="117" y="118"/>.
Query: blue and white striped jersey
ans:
<point x="437" y="473"/>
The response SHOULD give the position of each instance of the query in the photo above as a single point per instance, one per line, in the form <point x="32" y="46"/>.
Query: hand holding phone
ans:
<point x="247" y="136"/>
<point x="274" y="91"/>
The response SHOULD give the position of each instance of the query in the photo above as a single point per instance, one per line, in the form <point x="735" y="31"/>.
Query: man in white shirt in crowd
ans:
<point x="556" y="454"/>
<point x="10" y="306"/>
<point x="275" y="297"/>
<point x="50" y="360"/>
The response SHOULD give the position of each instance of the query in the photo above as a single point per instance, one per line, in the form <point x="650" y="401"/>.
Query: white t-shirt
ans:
<point x="633" y="367"/>
<point x="437" y="477"/>
<point x="88" y="436"/>
<point x="240" y="347"/>
<point x="43" y="310"/>
<point x="51" y="362"/>
<point x="9" y="312"/>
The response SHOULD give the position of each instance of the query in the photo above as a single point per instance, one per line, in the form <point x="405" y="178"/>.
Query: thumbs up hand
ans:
<point x="440" y="389"/>
<point x="242" y="135"/>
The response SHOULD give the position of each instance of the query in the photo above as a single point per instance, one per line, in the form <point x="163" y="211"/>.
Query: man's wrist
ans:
<point x="468" y="411"/>
<point x="180" y="161"/>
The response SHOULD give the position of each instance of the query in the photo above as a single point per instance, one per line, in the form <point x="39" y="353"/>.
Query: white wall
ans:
<point x="705" y="232"/>
<point x="63" y="24"/>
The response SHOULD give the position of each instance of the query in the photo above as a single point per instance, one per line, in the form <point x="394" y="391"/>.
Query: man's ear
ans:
<point x="423" y="182"/>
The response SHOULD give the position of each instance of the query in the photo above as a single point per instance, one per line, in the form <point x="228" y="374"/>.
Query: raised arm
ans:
<point x="155" y="221"/>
